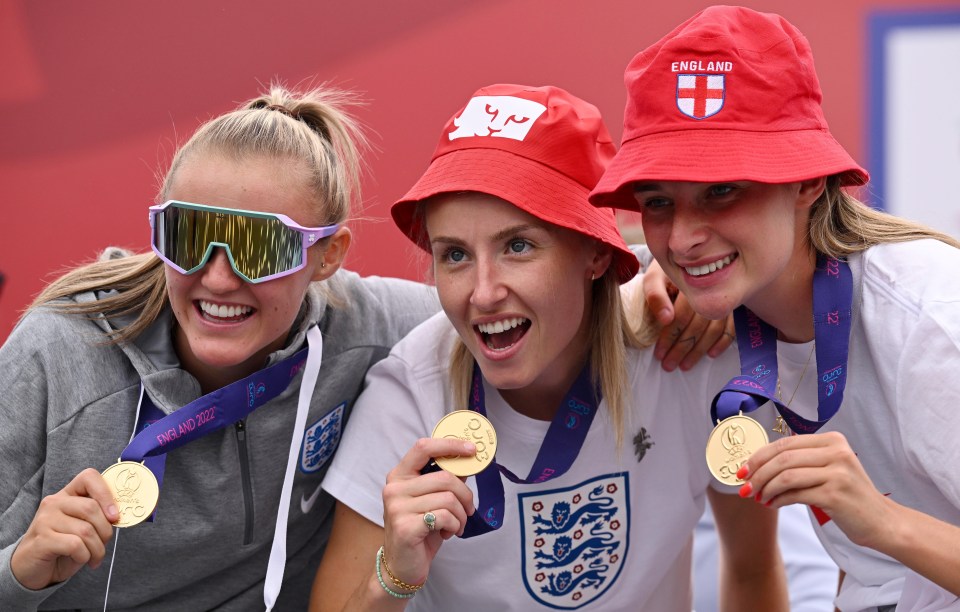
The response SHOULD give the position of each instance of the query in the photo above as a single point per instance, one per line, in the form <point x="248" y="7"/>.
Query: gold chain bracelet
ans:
<point x="396" y="581"/>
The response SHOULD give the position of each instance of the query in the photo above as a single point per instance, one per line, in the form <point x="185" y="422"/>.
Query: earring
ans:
<point x="323" y="264"/>
<point x="593" y="276"/>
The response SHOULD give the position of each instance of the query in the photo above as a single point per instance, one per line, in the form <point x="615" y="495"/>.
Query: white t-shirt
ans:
<point x="901" y="406"/>
<point x="613" y="533"/>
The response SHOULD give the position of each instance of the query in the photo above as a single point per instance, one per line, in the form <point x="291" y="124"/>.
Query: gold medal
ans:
<point x="731" y="443"/>
<point x="135" y="490"/>
<point x="469" y="426"/>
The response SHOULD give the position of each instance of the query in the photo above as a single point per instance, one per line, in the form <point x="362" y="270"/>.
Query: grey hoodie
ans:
<point x="69" y="400"/>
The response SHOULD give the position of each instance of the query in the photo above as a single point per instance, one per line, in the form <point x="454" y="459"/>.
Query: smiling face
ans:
<point x="227" y="327"/>
<point x="726" y="244"/>
<point x="517" y="290"/>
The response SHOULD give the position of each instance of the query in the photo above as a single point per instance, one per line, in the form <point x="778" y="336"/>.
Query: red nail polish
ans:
<point x="746" y="490"/>
<point x="742" y="472"/>
<point x="768" y="503"/>
<point x="757" y="498"/>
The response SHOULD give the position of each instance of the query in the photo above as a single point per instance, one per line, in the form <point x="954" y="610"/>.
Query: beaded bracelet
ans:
<point x="390" y="591"/>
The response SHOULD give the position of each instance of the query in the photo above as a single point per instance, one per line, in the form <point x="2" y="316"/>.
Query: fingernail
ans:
<point x="757" y="498"/>
<point x="469" y="447"/>
<point x="746" y="490"/>
<point x="768" y="503"/>
<point x="742" y="472"/>
<point x="669" y="366"/>
<point x="112" y="513"/>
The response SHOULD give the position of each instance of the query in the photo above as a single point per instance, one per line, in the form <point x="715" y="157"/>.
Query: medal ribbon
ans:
<point x="559" y="449"/>
<point x="213" y="411"/>
<point x="757" y="342"/>
<point x="226" y="406"/>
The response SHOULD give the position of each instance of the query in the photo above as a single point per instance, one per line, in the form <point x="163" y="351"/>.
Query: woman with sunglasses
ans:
<point x="191" y="360"/>
<point x="847" y="317"/>
<point x="594" y="472"/>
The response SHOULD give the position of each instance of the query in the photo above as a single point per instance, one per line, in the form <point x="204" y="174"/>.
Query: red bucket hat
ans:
<point x="730" y="94"/>
<point x="539" y="148"/>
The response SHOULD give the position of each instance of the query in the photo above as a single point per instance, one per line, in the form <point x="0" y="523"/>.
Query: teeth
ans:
<point x="500" y="326"/>
<point x="223" y="312"/>
<point x="708" y="268"/>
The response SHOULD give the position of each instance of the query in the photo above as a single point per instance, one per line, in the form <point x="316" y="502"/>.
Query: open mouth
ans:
<point x="501" y="335"/>
<point x="710" y="267"/>
<point x="220" y="313"/>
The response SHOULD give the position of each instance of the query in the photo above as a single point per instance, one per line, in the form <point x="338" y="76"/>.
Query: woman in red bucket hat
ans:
<point x="848" y="319"/>
<point x="533" y="344"/>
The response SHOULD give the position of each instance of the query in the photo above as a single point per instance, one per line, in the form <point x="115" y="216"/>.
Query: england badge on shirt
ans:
<point x="574" y="540"/>
<point x="700" y="95"/>
<point x="321" y="439"/>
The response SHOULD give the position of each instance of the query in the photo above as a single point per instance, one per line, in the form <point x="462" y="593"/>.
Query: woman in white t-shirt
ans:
<point x="757" y="223"/>
<point x="577" y="511"/>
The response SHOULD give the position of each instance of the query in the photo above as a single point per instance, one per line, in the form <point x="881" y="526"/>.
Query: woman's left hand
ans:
<point x="818" y="470"/>
<point x="686" y="338"/>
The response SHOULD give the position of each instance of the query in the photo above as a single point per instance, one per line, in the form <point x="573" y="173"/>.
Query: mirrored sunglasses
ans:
<point x="260" y="246"/>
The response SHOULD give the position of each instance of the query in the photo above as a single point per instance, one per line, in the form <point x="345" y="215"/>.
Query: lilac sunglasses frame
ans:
<point x="309" y="237"/>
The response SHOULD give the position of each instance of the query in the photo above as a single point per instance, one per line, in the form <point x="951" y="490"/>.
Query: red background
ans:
<point x="94" y="95"/>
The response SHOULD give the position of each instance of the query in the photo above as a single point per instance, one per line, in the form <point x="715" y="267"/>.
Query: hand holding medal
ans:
<point x="822" y="471"/>
<point x="422" y="508"/>
<point x="435" y="467"/>
<point x="59" y="541"/>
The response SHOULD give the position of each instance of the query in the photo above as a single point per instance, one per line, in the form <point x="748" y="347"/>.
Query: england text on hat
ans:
<point x="701" y="66"/>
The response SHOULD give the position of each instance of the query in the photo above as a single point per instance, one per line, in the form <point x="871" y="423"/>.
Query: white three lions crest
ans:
<point x="574" y="540"/>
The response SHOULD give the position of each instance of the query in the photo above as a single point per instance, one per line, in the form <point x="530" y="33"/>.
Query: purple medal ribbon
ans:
<point x="757" y="342"/>
<point x="558" y="451"/>
<point x="209" y="413"/>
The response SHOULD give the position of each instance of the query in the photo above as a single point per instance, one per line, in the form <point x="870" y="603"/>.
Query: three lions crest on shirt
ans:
<point x="574" y="540"/>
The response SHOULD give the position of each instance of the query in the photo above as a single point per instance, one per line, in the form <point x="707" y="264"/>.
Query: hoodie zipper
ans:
<point x="241" y="426"/>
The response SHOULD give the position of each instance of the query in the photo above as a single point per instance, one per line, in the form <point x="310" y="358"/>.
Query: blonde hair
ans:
<point x="311" y="128"/>
<point x="841" y="225"/>
<point x="611" y="333"/>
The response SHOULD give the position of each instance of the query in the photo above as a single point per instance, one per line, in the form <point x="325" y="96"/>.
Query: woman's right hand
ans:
<point x="410" y="545"/>
<point x="70" y="529"/>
